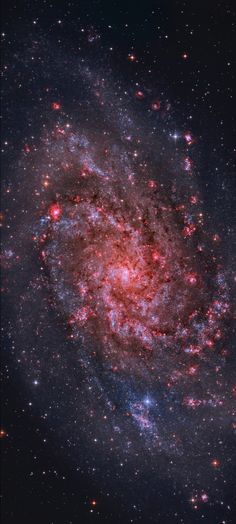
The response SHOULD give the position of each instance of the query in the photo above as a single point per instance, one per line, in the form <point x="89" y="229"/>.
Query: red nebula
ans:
<point x="156" y="105"/>
<point x="55" y="212"/>
<point x="56" y="106"/>
<point x="139" y="95"/>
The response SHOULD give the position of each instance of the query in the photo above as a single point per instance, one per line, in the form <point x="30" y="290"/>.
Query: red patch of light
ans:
<point x="152" y="184"/>
<point x="156" y="105"/>
<point x="55" y="106"/>
<point x="139" y="95"/>
<point x="55" y="212"/>
<point x="188" y="138"/>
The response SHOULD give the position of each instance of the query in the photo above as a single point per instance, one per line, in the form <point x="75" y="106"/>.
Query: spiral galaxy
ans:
<point x="124" y="322"/>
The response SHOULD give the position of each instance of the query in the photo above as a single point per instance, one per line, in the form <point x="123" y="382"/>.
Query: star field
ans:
<point x="118" y="263"/>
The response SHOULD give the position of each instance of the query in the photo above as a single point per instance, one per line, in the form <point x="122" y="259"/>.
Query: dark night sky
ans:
<point x="185" y="52"/>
